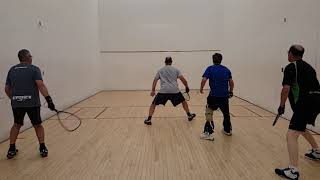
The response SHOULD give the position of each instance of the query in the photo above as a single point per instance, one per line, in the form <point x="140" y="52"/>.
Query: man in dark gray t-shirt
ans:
<point x="24" y="81"/>
<point x="169" y="90"/>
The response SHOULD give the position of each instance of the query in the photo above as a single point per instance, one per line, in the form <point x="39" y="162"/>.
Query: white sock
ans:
<point x="294" y="169"/>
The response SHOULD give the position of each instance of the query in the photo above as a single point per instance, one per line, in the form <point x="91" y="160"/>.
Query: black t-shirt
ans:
<point x="22" y="80"/>
<point x="302" y="79"/>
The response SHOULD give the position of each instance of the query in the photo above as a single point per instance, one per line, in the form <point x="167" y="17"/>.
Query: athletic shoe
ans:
<point x="228" y="133"/>
<point x="313" y="155"/>
<point x="147" y="121"/>
<point x="12" y="153"/>
<point x="207" y="136"/>
<point x="208" y="127"/>
<point x="43" y="152"/>
<point x="191" y="116"/>
<point x="287" y="173"/>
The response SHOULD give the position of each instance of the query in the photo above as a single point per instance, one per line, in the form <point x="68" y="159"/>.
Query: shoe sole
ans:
<point x="44" y="155"/>
<point x="10" y="157"/>
<point x="282" y="175"/>
<point x="207" y="139"/>
<point x="311" y="158"/>
<point x="227" y="134"/>
<point x="148" y="123"/>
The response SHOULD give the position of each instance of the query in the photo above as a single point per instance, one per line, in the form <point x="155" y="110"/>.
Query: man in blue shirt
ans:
<point x="221" y="89"/>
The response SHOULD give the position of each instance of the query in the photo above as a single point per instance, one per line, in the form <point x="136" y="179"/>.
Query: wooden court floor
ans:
<point x="113" y="143"/>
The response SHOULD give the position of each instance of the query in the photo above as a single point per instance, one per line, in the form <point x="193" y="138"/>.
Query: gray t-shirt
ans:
<point x="168" y="76"/>
<point x="22" y="80"/>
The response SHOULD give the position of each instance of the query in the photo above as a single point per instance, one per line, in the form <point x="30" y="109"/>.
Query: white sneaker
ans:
<point x="227" y="133"/>
<point x="206" y="136"/>
<point x="288" y="173"/>
<point x="313" y="155"/>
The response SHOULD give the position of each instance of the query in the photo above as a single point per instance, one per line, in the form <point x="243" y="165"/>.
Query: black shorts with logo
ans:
<point x="162" y="98"/>
<point x="33" y="113"/>
<point x="305" y="112"/>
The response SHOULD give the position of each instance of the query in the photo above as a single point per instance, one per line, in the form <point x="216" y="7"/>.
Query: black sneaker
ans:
<point x="208" y="127"/>
<point x="190" y="118"/>
<point x="12" y="153"/>
<point x="43" y="152"/>
<point x="147" y="121"/>
<point x="287" y="173"/>
<point x="313" y="155"/>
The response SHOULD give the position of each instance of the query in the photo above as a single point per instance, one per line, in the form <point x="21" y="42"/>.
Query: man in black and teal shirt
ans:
<point x="24" y="81"/>
<point x="301" y="85"/>
<point x="221" y="89"/>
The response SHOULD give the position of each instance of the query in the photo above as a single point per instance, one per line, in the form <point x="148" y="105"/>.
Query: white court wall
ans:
<point x="160" y="24"/>
<point x="136" y="71"/>
<point x="257" y="39"/>
<point x="157" y="25"/>
<point x="65" y="47"/>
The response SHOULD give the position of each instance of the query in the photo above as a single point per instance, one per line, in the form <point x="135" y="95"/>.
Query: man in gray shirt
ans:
<point x="24" y="81"/>
<point x="169" y="90"/>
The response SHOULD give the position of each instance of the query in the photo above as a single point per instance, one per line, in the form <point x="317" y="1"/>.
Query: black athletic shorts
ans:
<point x="162" y="98"/>
<point x="305" y="112"/>
<point x="33" y="113"/>
<point x="215" y="103"/>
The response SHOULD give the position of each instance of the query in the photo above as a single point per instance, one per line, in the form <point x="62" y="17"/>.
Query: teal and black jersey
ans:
<point x="302" y="79"/>
<point x="22" y="81"/>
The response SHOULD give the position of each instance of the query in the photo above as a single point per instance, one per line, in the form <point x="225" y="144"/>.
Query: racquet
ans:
<point x="69" y="121"/>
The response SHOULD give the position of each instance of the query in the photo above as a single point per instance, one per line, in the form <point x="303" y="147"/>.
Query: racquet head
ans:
<point x="69" y="121"/>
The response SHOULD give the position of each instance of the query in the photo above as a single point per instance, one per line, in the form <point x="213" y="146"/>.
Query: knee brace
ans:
<point x="209" y="114"/>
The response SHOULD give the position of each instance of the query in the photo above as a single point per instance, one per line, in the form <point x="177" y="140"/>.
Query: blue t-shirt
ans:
<point x="219" y="77"/>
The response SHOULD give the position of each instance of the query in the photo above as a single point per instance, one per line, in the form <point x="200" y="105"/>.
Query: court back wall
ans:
<point x="157" y="25"/>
